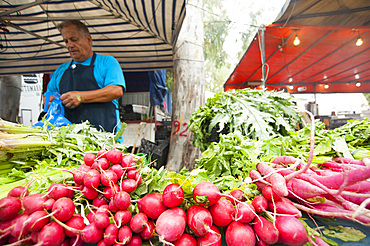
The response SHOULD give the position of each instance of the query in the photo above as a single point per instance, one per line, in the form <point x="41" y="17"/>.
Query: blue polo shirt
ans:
<point x="107" y="71"/>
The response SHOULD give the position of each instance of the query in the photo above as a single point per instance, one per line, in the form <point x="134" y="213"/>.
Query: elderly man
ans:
<point x="90" y="84"/>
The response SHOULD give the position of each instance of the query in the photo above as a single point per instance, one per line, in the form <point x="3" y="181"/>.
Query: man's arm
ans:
<point x="72" y="99"/>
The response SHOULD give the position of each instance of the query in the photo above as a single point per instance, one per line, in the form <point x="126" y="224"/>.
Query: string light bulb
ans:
<point x="359" y="41"/>
<point x="326" y="86"/>
<point x="296" y="40"/>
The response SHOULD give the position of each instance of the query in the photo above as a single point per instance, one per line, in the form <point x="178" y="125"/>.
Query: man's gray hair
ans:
<point x="80" y="26"/>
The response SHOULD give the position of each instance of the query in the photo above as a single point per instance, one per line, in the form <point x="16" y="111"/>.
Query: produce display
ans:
<point x="74" y="185"/>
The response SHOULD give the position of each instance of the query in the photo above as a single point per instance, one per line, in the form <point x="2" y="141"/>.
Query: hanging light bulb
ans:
<point x="359" y="41"/>
<point x="358" y="84"/>
<point x="296" y="41"/>
<point x="326" y="86"/>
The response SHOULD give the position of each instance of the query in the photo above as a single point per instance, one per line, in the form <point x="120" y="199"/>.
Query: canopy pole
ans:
<point x="263" y="55"/>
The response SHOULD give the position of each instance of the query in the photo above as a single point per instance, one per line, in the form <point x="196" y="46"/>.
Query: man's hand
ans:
<point x="71" y="99"/>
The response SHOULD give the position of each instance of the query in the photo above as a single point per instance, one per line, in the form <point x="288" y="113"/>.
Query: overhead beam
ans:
<point x="23" y="7"/>
<point x="7" y="23"/>
<point x="309" y="48"/>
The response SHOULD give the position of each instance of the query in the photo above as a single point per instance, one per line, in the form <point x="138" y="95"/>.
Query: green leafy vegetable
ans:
<point x="256" y="114"/>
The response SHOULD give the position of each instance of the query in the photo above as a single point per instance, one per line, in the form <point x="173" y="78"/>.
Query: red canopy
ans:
<point x="326" y="60"/>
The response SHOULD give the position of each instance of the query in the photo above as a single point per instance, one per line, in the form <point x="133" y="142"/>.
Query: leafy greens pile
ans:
<point x="256" y="114"/>
<point x="236" y="155"/>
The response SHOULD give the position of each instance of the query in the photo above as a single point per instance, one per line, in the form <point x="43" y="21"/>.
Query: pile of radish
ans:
<point x="338" y="189"/>
<point x="98" y="208"/>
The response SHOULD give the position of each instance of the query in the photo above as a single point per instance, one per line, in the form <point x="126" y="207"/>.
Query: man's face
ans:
<point x="78" y="45"/>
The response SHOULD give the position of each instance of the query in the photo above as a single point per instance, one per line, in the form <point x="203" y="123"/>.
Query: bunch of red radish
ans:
<point x="104" y="180"/>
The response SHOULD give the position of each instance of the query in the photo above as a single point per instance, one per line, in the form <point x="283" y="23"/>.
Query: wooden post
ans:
<point x="188" y="87"/>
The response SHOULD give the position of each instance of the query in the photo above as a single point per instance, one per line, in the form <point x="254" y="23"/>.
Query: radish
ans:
<point x="101" y="220"/>
<point x="260" y="204"/>
<point x="351" y="176"/>
<point x="122" y="217"/>
<point x="135" y="241"/>
<point x="132" y="174"/>
<point x="222" y="212"/>
<point x="199" y="220"/>
<point x="124" y="235"/>
<point x="103" y="209"/>
<point x="101" y="153"/>
<point x="19" y="230"/>
<point x="90" y="193"/>
<point x="304" y="189"/>
<point x="37" y="220"/>
<point x="9" y="207"/>
<point x="291" y="231"/>
<point x="6" y="226"/>
<point x="255" y="175"/>
<point x="173" y="195"/>
<point x="171" y="224"/>
<point x="138" y="222"/>
<point x="122" y="200"/>
<point x="265" y="230"/>
<point x="99" y="201"/>
<point x="89" y="159"/>
<point x="57" y="191"/>
<point x="35" y="202"/>
<point x="152" y="205"/>
<point x="114" y="156"/>
<point x="118" y="169"/>
<point x="89" y="234"/>
<point x="269" y="193"/>
<point x="148" y="231"/>
<point x="128" y="185"/>
<point x="111" y="234"/>
<point x="90" y="216"/>
<point x="278" y="184"/>
<point x="101" y="164"/>
<point x="112" y="206"/>
<point x="126" y="162"/>
<point x="79" y="174"/>
<point x="109" y="192"/>
<point x="284" y="206"/>
<point x="186" y="240"/>
<point x="76" y="222"/>
<point x="238" y="234"/>
<point x="63" y="209"/>
<point x="206" y="194"/>
<point x="244" y="212"/>
<point x="238" y="195"/>
<point x="19" y="191"/>
<point x="108" y="178"/>
<point x="92" y="179"/>
<point x="51" y="235"/>
<point x="212" y="238"/>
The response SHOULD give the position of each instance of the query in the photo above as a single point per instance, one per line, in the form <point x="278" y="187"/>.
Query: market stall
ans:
<point x="259" y="181"/>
